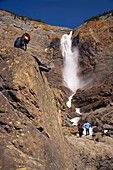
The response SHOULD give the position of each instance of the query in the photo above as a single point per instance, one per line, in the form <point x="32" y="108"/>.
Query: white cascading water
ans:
<point x="70" y="69"/>
<point x="70" y="77"/>
<point x="70" y="56"/>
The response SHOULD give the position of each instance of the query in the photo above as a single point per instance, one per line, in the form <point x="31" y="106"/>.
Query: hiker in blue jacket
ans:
<point x="21" y="42"/>
<point x="87" y="126"/>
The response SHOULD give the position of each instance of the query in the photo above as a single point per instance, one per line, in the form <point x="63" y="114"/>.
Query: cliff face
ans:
<point x="44" y="43"/>
<point x="30" y="124"/>
<point x="41" y="34"/>
<point x="95" y="41"/>
<point x="30" y="128"/>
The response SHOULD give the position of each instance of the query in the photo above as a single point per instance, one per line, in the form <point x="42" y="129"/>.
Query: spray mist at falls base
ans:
<point x="70" y="61"/>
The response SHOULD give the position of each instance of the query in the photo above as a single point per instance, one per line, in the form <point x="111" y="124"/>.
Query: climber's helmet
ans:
<point x="26" y="38"/>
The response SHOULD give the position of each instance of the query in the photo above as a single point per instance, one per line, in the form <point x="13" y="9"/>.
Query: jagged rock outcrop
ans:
<point x="31" y="135"/>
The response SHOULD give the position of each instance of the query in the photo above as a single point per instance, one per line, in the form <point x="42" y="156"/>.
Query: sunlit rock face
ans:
<point x="95" y="41"/>
<point x="31" y="135"/>
<point x="30" y="122"/>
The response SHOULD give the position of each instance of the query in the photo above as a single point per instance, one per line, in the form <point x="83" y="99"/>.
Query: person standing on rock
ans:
<point x="80" y="129"/>
<point x="87" y="126"/>
<point x="21" y="42"/>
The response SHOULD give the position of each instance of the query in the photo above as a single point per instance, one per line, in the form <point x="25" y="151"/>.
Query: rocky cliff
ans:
<point x="33" y="102"/>
<point x="95" y="41"/>
<point x="30" y="128"/>
<point x="30" y="124"/>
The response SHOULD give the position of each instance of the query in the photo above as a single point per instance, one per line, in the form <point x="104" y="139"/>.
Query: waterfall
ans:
<point x="70" y="68"/>
<point x="70" y="63"/>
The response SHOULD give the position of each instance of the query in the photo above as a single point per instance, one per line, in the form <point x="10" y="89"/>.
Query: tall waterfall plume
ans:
<point x="70" y="60"/>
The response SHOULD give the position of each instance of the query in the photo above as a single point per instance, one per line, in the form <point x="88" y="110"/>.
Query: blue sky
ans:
<point x="65" y="13"/>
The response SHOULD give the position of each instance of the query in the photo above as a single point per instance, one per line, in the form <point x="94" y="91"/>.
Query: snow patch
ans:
<point x="75" y="120"/>
<point x="78" y="110"/>
<point x="69" y="101"/>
